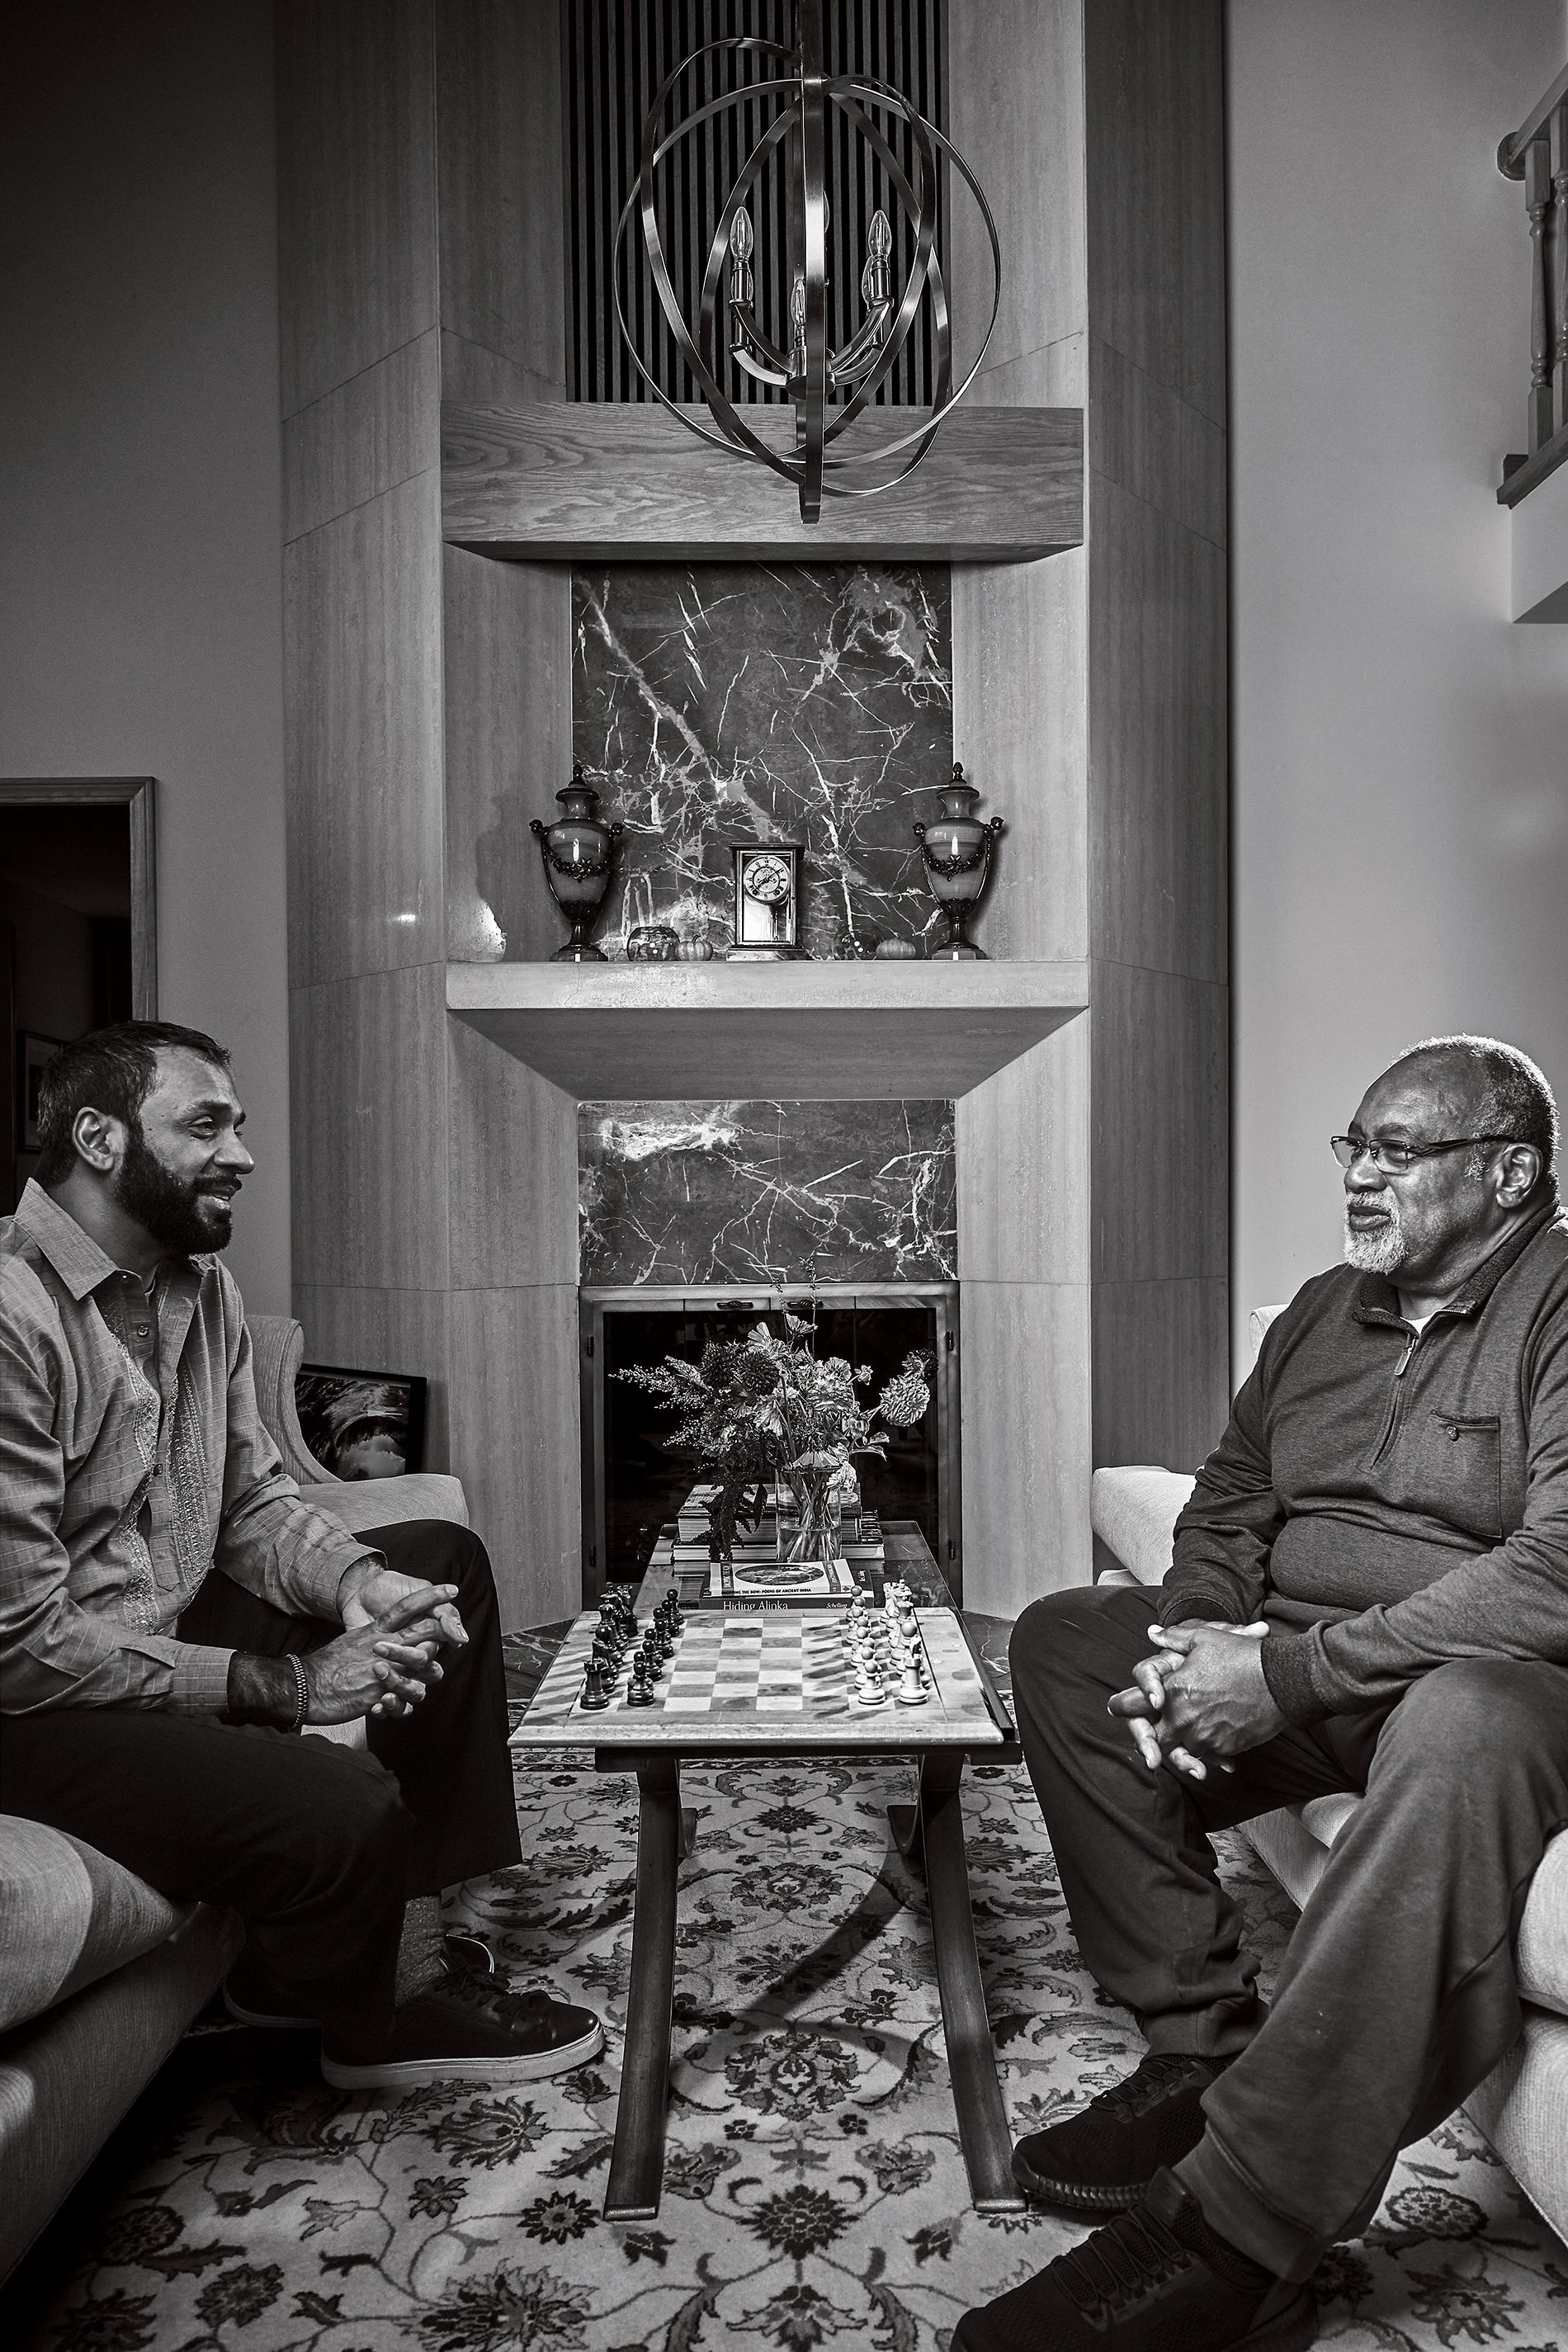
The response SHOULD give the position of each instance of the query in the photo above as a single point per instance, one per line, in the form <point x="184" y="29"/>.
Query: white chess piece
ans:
<point x="911" y="1690"/>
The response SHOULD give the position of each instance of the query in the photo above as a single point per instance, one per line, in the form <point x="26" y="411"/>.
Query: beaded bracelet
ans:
<point x="304" y="1697"/>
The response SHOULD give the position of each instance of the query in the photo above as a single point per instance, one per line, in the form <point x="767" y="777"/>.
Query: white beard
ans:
<point x="1381" y="1250"/>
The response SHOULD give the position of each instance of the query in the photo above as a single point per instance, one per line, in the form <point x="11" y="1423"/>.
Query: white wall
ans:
<point x="1401" y="748"/>
<point x="140" y="562"/>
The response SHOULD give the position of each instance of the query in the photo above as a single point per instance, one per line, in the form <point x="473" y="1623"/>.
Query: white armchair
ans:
<point x="278" y="1344"/>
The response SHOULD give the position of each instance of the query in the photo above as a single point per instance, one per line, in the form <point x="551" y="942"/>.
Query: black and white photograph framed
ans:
<point x="360" y="1424"/>
<point x="33" y="1055"/>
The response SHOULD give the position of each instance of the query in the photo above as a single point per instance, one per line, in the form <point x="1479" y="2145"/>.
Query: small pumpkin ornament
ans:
<point x="897" y="951"/>
<point x="696" y="950"/>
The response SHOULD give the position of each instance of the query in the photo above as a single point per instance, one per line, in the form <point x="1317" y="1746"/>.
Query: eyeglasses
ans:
<point x="1397" y="1158"/>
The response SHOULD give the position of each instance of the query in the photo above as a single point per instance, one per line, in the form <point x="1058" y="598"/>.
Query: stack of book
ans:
<point x="756" y="1573"/>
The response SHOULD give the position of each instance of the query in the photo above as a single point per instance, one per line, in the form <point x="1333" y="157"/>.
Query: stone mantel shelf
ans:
<point x="605" y="482"/>
<point x="808" y="1032"/>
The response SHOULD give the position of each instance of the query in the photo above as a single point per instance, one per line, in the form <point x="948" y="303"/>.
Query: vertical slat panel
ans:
<point x="619" y="52"/>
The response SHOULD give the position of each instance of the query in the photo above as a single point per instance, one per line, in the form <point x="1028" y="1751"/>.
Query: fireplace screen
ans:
<point x="633" y="1486"/>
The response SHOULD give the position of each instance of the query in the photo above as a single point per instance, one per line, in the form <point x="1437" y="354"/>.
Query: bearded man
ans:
<point x="1369" y="1591"/>
<point x="172" y="1615"/>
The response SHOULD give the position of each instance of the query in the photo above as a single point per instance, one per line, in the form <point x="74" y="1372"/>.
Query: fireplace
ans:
<point x="632" y="1487"/>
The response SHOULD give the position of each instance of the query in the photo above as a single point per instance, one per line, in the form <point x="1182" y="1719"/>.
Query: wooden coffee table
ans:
<point x="769" y="1684"/>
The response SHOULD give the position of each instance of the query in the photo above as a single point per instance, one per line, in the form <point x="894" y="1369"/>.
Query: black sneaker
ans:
<point x="467" y="2029"/>
<point x="1153" y="2280"/>
<point x="251" y="1997"/>
<point x="1102" y="2160"/>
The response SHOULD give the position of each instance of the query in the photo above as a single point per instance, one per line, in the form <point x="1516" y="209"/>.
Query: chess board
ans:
<point x="780" y="1680"/>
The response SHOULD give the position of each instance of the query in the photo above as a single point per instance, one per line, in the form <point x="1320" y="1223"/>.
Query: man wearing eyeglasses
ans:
<point x="1369" y="1592"/>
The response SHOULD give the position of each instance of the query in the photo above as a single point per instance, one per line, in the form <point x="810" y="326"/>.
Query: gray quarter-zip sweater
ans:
<point x="1387" y="1499"/>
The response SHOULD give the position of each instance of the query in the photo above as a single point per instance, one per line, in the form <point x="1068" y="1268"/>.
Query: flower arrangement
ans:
<point x="767" y="1407"/>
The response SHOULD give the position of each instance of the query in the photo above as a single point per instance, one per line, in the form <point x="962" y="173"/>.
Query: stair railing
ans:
<point x="1537" y="154"/>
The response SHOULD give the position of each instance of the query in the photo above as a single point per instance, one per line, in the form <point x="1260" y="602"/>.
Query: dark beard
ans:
<point x="182" y="1218"/>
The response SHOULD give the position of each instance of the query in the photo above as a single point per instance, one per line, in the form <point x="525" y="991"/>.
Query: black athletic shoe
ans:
<point x="252" y="1998"/>
<point x="469" y="2029"/>
<point x="1102" y="2160"/>
<point x="1155" y="2280"/>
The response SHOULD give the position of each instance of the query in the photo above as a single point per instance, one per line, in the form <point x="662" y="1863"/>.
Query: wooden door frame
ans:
<point x="138" y="794"/>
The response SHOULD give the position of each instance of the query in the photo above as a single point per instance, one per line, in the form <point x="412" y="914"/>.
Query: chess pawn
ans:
<point x="641" y="1691"/>
<point x="869" y="1692"/>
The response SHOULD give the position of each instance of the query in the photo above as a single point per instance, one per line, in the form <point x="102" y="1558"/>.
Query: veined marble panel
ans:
<point x="742" y="702"/>
<point x="766" y="1191"/>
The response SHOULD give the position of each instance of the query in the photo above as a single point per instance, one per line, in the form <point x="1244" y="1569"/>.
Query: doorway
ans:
<point x="78" y="932"/>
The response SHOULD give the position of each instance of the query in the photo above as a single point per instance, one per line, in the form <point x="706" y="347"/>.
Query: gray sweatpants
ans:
<point x="1398" y="1993"/>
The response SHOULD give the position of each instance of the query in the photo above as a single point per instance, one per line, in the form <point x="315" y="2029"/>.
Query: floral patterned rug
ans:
<point x="814" y="2189"/>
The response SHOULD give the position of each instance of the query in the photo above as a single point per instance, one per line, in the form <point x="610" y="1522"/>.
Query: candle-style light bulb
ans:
<point x="877" y="278"/>
<point x="740" y="241"/>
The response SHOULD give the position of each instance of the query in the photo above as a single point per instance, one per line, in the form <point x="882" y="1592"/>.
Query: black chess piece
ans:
<point x="595" y="1698"/>
<point x="641" y="1691"/>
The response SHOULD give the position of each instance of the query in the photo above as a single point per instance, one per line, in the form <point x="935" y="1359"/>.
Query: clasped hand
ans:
<point x="387" y="1655"/>
<point x="1200" y="1699"/>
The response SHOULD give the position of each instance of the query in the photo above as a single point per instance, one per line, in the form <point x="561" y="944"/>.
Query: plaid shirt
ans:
<point x="132" y="1460"/>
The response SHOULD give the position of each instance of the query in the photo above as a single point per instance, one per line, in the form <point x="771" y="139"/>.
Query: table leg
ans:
<point x="637" y="2163"/>
<point x="971" y="2054"/>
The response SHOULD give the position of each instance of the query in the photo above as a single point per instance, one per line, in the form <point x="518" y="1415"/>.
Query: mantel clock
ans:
<point x="767" y="901"/>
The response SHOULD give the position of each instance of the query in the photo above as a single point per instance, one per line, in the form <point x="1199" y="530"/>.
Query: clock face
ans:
<point x="767" y="880"/>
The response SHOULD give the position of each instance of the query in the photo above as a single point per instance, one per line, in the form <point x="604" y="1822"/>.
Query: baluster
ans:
<point x="1537" y="196"/>
<point x="1559" y="186"/>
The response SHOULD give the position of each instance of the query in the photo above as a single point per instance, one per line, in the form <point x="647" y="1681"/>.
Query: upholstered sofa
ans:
<point x="1523" y="2106"/>
<point x="100" y="1974"/>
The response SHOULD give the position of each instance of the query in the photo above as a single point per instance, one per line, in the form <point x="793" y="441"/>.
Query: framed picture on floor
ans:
<point x="33" y="1055"/>
<point x="361" y="1425"/>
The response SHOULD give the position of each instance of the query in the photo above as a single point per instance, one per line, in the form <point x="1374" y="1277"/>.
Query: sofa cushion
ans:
<point x="1133" y="1510"/>
<point x="67" y="2077"/>
<point x="68" y="1916"/>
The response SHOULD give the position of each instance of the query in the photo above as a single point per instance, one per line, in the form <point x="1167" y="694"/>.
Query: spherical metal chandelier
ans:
<point x="808" y="371"/>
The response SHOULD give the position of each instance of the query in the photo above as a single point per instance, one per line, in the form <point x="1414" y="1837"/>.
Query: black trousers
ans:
<point x="318" y="1845"/>
<point x="1398" y="1993"/>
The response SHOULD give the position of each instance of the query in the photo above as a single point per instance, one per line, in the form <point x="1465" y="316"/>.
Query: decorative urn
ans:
<point x="956" y="847"/>
<point x="577" y="850"/>
<point x="652" y="943"/>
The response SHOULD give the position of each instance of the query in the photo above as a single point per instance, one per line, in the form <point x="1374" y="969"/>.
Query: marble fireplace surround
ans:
<point x="777" y="1193"/>
<point x="730" y="702"/>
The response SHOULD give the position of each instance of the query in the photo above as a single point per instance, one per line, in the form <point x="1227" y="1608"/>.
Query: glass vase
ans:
<point x="810" y="1520"/>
